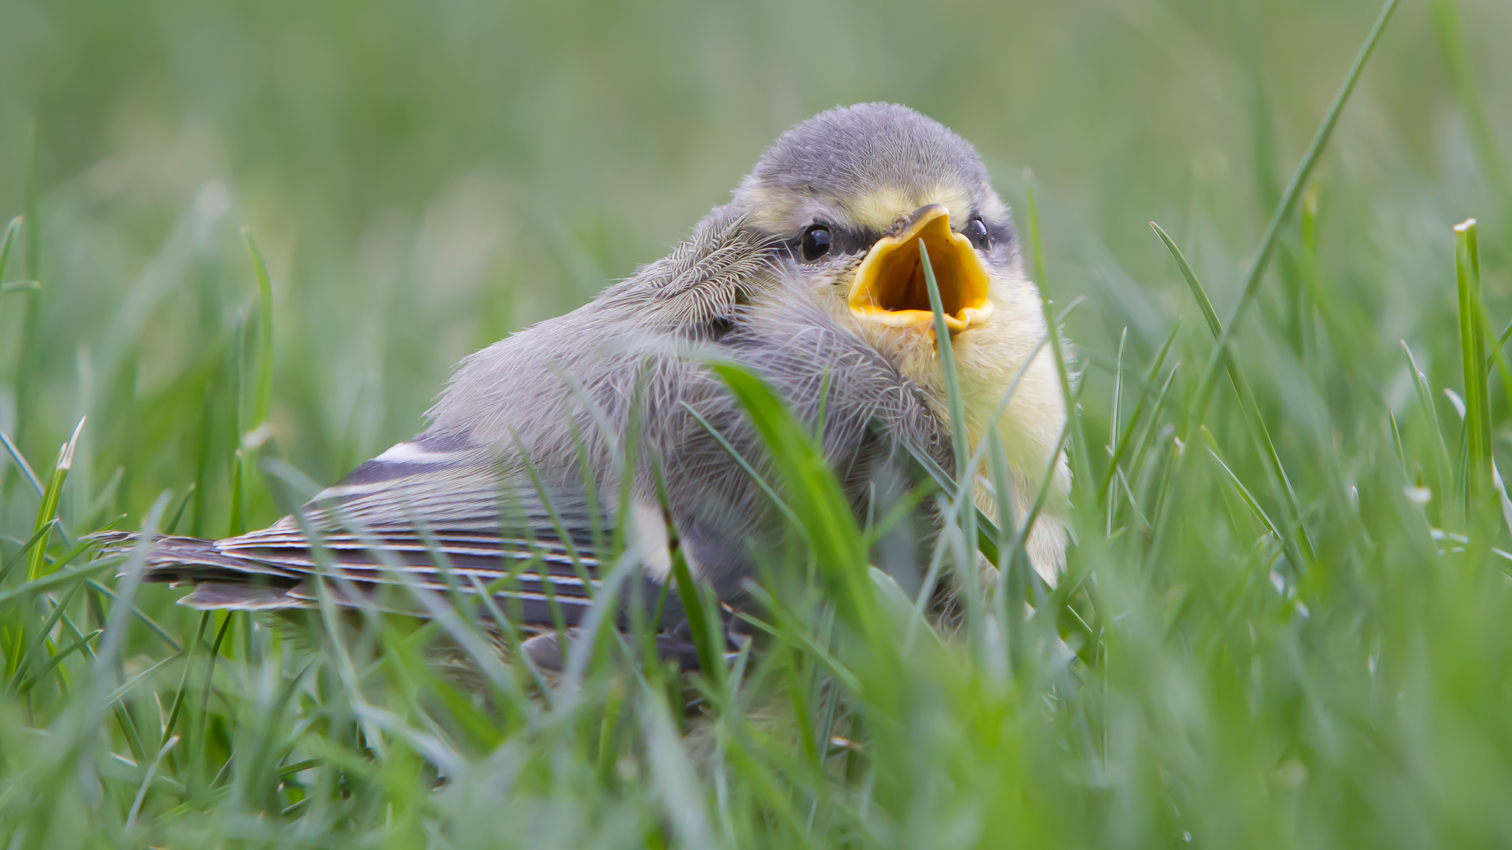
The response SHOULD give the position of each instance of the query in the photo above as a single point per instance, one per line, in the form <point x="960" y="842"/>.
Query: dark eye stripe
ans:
<point x="843" y="240"/>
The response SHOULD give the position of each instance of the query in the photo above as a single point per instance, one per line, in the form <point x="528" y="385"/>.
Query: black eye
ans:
<point x="976" y="231"/>
<point x="815" y="242"/>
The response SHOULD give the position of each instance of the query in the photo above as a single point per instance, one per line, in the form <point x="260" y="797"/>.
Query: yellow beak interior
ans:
<point x="890" y="289"/>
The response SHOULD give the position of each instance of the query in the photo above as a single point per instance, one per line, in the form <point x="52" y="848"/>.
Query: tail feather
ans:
<point x="191" y="559"/>
<point x="215" y="595"/>
<point x="226" y="574"/>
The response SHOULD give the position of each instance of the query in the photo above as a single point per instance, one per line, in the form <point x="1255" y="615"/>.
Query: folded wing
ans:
<point x="434" y="513"/>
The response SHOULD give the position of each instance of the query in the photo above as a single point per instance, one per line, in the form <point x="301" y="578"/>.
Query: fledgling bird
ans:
<point x="811" y="277"/>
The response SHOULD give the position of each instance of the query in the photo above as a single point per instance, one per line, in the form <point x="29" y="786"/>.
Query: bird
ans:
<point x="608" y="422"/>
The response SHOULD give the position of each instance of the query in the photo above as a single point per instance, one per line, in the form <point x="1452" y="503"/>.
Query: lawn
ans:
<point x="250" y="241"/>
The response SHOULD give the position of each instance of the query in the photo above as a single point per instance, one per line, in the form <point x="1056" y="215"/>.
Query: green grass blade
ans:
<point x="924" y="468"/>
<point x="966" y="570"/>
<point x="20" y="286"/>
<point x="7" y="240"/>
<point x="48" y="582"/>
<point x="1299" y="548"/>
<point x="1135" y="418"/>
<point x="946" y="352"/>
<point x="48" y="511"/>
<point x="1234" y="481"/>
<point x="816" y="498"/>
<point x="20" y="461"/>
<point x="1256" y="273"/>
<point x="1443" y="465"/>
<point x="1198" y="293"/>
<point x="706" y="641"/>
<point x="237" y="523"/>
<point x="1113" y="424"/>
<point x="46" y="629"/>
<point x="1473" y="358"/>
<point x="263" y="393"/>
<point x="38" y="538"/>
<point x="745" y="466"/>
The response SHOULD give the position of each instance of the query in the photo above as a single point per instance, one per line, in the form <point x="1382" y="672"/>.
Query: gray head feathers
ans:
<point x="854" y="150"/>
<point x="853" y="156"/>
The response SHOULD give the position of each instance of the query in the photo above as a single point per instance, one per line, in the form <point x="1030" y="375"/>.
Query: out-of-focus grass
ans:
<point x="1287" y="614"/>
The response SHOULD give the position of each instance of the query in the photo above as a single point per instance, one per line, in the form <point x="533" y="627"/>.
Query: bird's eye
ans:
<point x="976" y="231"/>
<point x="815" y="242"/>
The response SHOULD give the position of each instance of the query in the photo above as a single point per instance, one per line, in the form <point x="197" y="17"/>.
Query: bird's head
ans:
<point x="853" y="191"/>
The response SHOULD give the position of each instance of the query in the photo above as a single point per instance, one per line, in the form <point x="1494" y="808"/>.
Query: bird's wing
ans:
<point x="437" y="513"/>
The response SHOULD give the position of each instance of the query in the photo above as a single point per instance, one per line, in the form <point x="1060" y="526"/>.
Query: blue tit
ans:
<point x="607" y="423"/>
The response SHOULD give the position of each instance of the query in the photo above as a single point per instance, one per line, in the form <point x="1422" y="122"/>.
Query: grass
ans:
<point x="1285" y="618"/>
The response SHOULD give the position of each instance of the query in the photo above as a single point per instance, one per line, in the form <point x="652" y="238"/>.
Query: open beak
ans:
<point x="889" y="288"/>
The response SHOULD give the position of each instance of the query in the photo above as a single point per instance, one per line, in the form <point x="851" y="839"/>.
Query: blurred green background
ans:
<point x="424" y="178"/>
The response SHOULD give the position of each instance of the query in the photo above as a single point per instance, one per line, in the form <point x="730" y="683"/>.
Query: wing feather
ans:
<point x="425" y="508"/>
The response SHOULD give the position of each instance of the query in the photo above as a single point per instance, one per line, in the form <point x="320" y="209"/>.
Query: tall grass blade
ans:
<point x="48" y="511"/>
<point x="1473" y="359"/>
<point x="263" y="392"/>
<point x="1299" y="547"/>
<point x="1443" y="465"/>
<point x="1256" y="273"/>
<point x="745" y="465"/>
<point x="966" y="569"/>
<point x="1137" y="416"/>
<point x="816" y="497"/>
<point x="20" y="461"/>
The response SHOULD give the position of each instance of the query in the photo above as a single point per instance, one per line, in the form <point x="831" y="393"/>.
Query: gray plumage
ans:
<point x="497" y="480"/>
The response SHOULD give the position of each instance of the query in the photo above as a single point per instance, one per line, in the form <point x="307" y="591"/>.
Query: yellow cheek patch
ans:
<point x="767" y="210"/>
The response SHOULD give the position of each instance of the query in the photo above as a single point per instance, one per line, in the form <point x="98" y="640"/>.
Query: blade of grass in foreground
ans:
<point x="836" y="545"/>
<point x="924" y="467"/>
<point x="968" y="574"/>
<point x="814" y="494"/>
